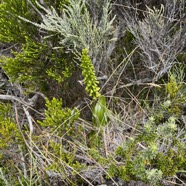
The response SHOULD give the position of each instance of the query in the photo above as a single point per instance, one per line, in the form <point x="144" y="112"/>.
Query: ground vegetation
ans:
<point x="92" y="92"/>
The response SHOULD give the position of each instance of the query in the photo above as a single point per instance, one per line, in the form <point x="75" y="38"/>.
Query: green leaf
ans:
<point x="100" y="112"/>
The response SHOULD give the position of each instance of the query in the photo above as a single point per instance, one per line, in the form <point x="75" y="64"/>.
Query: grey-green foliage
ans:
<point x="155" y="154"/>
<point x="160" y="36"/>
<point x="77" y="29"/>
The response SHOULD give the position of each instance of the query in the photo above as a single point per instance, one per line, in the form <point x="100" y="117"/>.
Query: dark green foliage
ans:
<point x="155" y="153"/>
<point x="36" y="64"/>
<point x="58" y="119"/>
<point x="12" y="29"/>
<point x="9" y="141"/>
<point x="8" y="128"/>
<point x="133" y="127"/>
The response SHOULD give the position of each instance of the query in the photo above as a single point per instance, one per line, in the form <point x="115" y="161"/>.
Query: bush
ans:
<point x="93" y="92"/>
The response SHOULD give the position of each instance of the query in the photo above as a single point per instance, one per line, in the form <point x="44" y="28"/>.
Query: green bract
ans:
<point x="100" y="111"/>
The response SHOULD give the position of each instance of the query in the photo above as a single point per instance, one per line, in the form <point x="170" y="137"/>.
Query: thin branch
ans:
<point x="14" y="98"/>
<point x="145" y="81"/>
<point x="31" y="102"/>
<point x="29" y="118"/>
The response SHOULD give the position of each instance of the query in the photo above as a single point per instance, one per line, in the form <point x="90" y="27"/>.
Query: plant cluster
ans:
<point x="92" y="92"/>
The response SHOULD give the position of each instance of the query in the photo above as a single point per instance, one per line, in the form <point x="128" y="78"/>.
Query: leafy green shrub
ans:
<point x="8" y="128"/>
<point x="12" y="29"/>
<point x="36" y="64"/>
<point x="176" y="90"/>
<point x="9" y="142"/>
<point x="60" y="120"/>
<point x="61" y="146"/>
<point x="156" y="153"/>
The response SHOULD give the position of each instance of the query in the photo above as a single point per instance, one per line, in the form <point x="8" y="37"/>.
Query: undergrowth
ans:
<point x="92" y="93"/>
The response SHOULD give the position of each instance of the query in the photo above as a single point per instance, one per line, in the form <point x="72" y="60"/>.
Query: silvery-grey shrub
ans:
<point x="160" y="35"/>
<point x="78" y="29"/>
